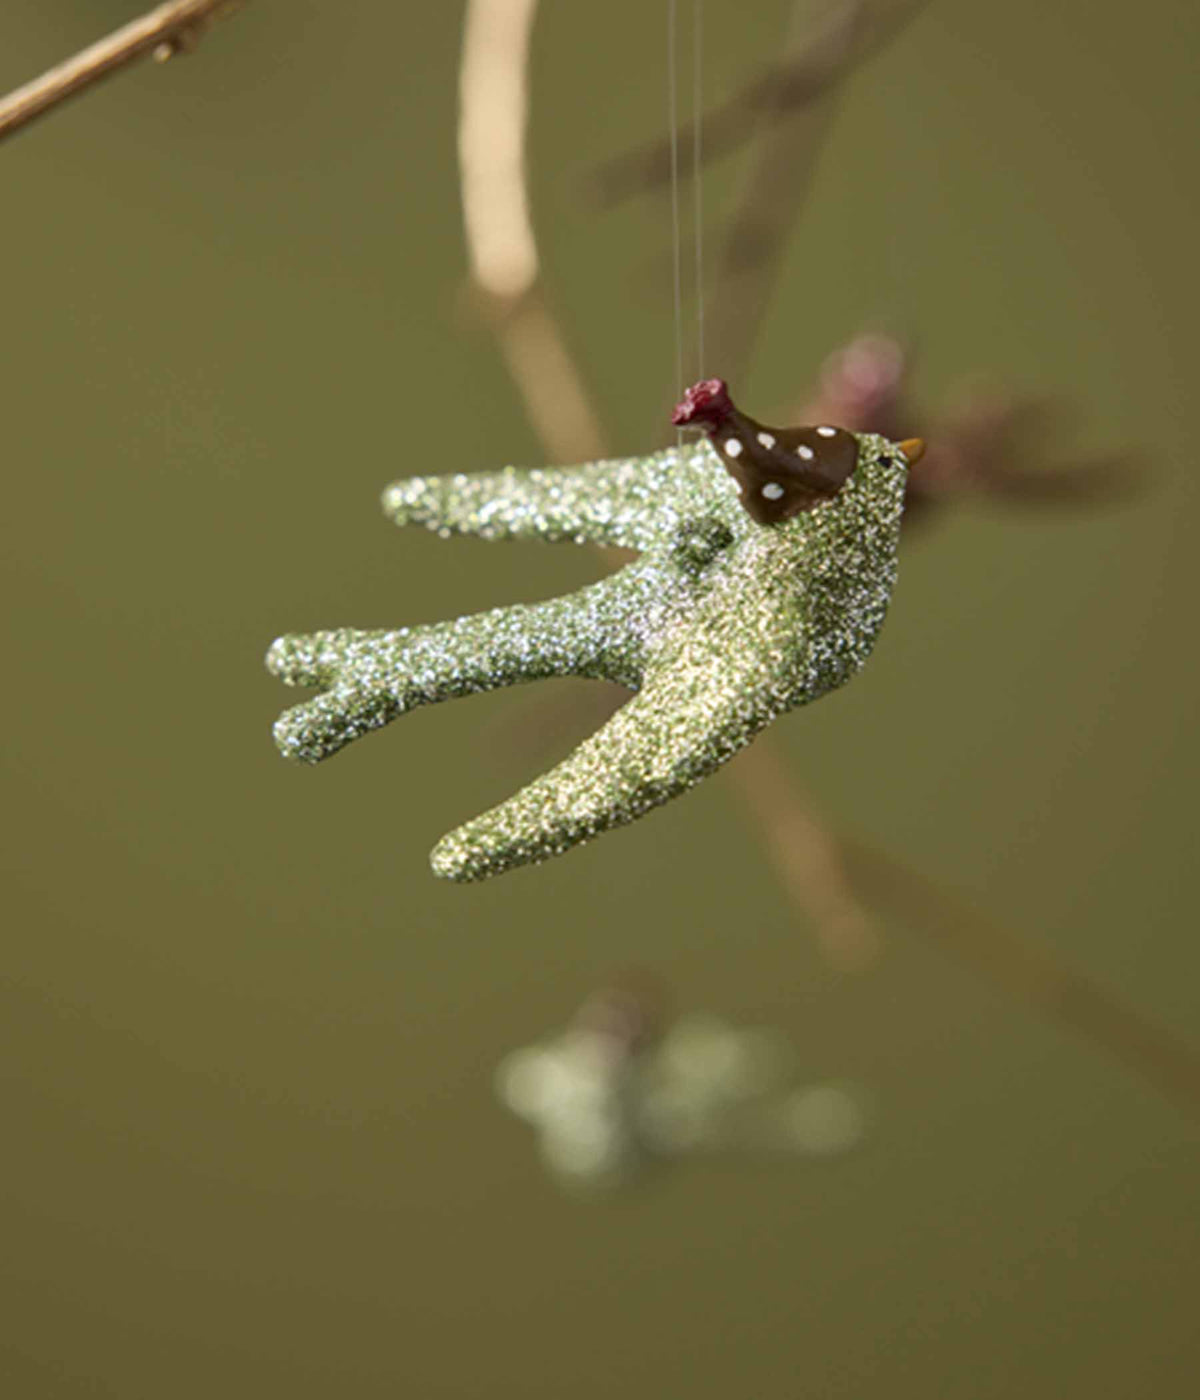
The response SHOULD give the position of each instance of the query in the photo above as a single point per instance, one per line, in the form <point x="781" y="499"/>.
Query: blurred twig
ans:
<point x="824" y="57"/>
<point x="505" y="274"/>
<point x="789" y="109"/>
<point x="547" y="378"/>
<point x="775" y="192"/>
<point x="1028" y="971"/>
<point x="163" y="32"/>
<point x="985" y="443"/>
<point x="805" y="856"/>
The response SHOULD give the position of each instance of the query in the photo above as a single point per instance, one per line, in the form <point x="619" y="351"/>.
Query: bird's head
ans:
<point x="705" y="404"/>
<point x="780" y="472"/>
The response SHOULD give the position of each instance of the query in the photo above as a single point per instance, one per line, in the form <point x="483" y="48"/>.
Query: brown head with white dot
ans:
<point x="779" y="471"/>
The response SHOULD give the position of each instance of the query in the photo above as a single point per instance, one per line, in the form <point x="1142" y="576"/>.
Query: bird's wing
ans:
<point x="371" y="677"/>
<point x="690" y="717"/>
<point x="634" y="502"/>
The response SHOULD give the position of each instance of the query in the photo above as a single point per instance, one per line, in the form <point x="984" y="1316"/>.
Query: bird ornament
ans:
<point x="766" y="559"/>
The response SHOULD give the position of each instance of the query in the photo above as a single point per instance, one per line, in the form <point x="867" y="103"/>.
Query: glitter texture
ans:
<point x="718" y="627"/>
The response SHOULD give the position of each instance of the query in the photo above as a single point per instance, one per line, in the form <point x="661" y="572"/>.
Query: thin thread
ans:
<point x="676" y="238"/>
<point x="697" y="189"/>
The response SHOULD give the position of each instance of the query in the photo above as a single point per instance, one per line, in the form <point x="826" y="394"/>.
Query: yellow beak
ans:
<point x="913" y="449"/>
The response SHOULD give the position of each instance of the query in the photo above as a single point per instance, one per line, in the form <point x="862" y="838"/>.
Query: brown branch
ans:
<point x="791" y="111"/>
<point x="805" y="856"/>
<point x="505" y="269"/>
<point x="778" y="186"/>
<point x="1032" y="974"/>
<point x="824" y="59"/>
<point x="163" y="32"/>
<point x="547" y="378"/>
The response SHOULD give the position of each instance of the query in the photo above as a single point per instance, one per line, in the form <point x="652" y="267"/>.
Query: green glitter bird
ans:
<point x="767" y="559"/>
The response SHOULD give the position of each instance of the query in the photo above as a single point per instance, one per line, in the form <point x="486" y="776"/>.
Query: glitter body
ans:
<point x="720" y="625"/>
<point x="606" y="1108"/>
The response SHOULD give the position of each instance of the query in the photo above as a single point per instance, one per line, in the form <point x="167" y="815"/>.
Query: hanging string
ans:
<point x="676" y="237"/>
<point x="697" y="184"/>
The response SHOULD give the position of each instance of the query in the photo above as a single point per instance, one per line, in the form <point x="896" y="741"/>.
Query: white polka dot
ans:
<point x="806" y="452"/>
<point x="772" y="490"/>
<point x="767" y="440"/>
<point x="733" y="447"/>
<point x="827" y="432"/>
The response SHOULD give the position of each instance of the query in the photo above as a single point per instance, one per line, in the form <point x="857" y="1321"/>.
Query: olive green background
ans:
<point x="249" y="1145"/>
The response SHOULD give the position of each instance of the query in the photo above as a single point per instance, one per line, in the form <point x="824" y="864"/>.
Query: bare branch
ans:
<point x="1033" y="974"/>
<point x="163" y="32"/>
<point x="778" y="185"/>
<point x="501" y="246"/>
<point x="493" y="113"/>
<point x="546" y="376"/>
<point x="805" y="856"/>
<point x="823" y="59"/>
